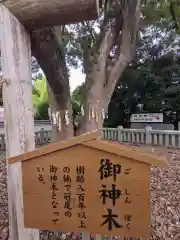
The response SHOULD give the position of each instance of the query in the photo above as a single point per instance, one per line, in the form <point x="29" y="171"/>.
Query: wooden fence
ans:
<point x="140" y="136"/>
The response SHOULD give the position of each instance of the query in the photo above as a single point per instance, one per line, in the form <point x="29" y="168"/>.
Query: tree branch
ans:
<point x="49" y="52"/>
<point x="90" y="32"/>
<point x="173" y="14"/>
<point x="126" y="49"/>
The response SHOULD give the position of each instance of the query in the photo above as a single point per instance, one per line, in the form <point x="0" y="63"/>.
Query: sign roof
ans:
<point x="91" y="140"/>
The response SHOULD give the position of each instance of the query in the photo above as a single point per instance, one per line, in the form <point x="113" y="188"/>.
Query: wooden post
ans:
<point x="18" y="108"/>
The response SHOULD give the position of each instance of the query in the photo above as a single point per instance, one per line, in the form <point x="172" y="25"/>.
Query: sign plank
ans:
<point x="84" y="189"/>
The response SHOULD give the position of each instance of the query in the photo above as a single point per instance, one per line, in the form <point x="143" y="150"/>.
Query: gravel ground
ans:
<point x="165" y="200"/>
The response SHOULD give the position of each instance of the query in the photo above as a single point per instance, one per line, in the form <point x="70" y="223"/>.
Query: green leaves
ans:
<point x="40" y="99"/>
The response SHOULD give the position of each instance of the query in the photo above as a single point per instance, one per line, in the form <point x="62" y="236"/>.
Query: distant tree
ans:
<point x="152" y="86"/>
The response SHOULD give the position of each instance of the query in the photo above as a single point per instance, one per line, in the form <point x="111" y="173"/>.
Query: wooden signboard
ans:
<point x="87" y="185"/>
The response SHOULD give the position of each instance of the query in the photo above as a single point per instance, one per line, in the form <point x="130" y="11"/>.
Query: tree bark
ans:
<point x="62" y="128"/>
<point x="105" y="73"/>
<point x="48" y="49"/>
<point x="18" y="109"/>
<point x="36" y="14"/>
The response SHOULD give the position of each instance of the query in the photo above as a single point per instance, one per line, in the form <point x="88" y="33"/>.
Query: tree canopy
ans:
<point x="147" y="88"/>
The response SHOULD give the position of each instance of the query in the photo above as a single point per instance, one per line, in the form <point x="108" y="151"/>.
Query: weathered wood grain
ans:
<point x="18" y="109"/>
<point x="36" y="14"/>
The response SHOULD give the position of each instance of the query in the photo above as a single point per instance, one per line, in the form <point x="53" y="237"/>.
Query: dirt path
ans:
<point x="165" y="199"/>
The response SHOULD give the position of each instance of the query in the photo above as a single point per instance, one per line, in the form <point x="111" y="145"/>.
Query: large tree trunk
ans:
<point x="48" y="49"/>
<point x="49" y="52"/>
<point x="105" y="72"/>
<point x="36" y="14"/>
<point x="62" y="126"/>
<point x="18" y="109"/>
